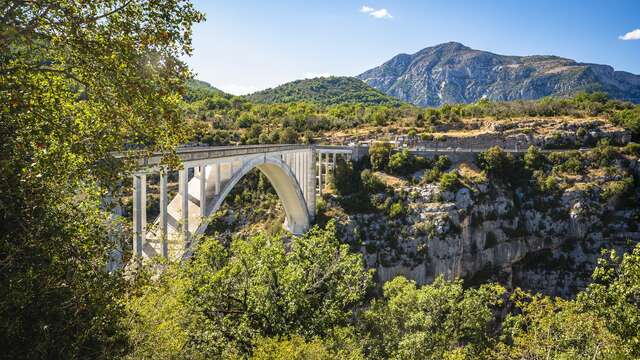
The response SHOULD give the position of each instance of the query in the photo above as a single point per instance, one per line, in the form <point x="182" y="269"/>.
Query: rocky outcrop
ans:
<point x="541" y="242"/>
<point x="454" y="73"/>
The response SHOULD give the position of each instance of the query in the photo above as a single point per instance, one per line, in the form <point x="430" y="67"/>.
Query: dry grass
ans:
<point x="390" y="180"/>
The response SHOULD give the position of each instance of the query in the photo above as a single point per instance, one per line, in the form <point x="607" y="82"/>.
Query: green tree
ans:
<point x="379" y="154"/>
<point x="497" y="162"/>
<point x="340" y="344"/>
<point x="629" y="119"/>
<point x="258" y="288"/>
<point x="430" y="322"/>
<point x="78" y="81"/>
<point x="546" y="328"/>
<point x="614" y="295"/>
<point x="534" y="159"/>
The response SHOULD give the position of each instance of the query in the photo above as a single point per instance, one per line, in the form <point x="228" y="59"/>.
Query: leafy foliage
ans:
<point x="78" y="81"/>
<point x="325" y="91"/>
<point x="429" y="322"/>
<point x="257" y="288"/>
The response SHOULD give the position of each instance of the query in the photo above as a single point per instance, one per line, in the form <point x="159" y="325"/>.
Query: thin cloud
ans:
<point x="631" y="35"/>
<point x="376" y="13"/>
<point x="366" y="9"/>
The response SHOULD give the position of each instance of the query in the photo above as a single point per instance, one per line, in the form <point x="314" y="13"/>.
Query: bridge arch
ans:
<point x="283" y="180"/>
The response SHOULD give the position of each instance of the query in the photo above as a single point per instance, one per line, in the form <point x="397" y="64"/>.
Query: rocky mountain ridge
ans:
<point x="454" y="73"/>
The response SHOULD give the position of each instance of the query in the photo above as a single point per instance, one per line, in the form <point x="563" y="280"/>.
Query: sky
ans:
<point x="246" y="46"/>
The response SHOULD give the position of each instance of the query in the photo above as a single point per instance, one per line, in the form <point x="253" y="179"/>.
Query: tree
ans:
<point x="258" y="288"/>
<point x="615" y="296"/>
<point x="379" y="153"/>
<point x="546" y="328"/>
<point x="340" y="344"/>
<point x="497" y="162"/>
<point x="629" y="119"/>
<point x="534" y="159"/>
<point x="429" y="322"/>
<point x="78" y="81"/>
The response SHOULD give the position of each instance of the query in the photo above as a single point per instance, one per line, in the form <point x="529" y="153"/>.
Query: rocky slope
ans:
<point x="454" y="73"/>
<point x="546" y="241"/>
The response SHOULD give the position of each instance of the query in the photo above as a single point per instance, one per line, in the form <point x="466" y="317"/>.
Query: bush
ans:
<point x="426" y="136"/>
<point x="497" y="162"/>
<point x="371" y="183"/>
<point x="533" y="159"/>
<point x="450" y="181"/>
<point x="396" y="210"/>
<point x="617" y="189"/>
<point x="632" y="149"/>
<point x="379" y="155"/>
<point x="629" y="119"/>
<point x="443" y="163"/>
<point x="403" y="163"/>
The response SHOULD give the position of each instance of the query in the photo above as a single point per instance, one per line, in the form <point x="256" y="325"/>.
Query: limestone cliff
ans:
<point x="545" y="241"/>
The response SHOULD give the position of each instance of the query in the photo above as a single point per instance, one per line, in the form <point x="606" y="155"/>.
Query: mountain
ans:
<point x="454" y="73"/>
<point x="199" y="90"/>
<point x="325" y="91"/>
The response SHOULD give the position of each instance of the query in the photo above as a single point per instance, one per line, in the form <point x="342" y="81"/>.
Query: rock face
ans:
<point x="454" y="73"/>
<point x="541" y="242"/>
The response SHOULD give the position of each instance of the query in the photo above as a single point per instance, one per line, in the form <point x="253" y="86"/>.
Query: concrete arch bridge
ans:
<point x="297" y="173"/>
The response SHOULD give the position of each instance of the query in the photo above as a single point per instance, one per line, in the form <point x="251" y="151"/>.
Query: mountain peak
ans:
<point x="454" y="73"/>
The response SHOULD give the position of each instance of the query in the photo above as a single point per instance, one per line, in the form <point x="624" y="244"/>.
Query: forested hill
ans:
<point x="453" y="73"/>
<point x="200" y="90"/>
<point x="324" y="91"/>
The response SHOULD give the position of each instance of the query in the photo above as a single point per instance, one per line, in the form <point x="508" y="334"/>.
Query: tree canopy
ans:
<point x="79" y="80"/>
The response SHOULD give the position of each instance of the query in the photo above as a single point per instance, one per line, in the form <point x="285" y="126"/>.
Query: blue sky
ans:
<point x="246" y="46"/>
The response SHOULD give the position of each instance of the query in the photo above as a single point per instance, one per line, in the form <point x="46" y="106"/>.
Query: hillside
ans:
<point x="199" y="90"/>
<point x="453" y="73"/>
<point x="324" y="91"/>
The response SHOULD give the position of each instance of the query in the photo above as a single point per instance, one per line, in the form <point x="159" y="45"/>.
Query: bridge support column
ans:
<point x="139" y="212"/>
<point x="164" y="216"/>
<point x="203" y="190"/>
<point x="216" y="174"/>
<point x="320" y="173"/>
<point x="183" y="188"/>
<point x="310" y="182"/>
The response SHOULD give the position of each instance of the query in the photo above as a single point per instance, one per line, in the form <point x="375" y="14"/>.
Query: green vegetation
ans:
<point x="303" y="111"/>
<point x="81" y="81"/>
<point x="258" y="299"/>
<point x="223" y="301"/>
<point x="78" y="81"/>
<point x="324" y="91"/>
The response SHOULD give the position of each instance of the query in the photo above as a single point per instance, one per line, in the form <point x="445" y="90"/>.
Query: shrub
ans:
<point x="432" y="176"/>
<point x="396" y="210"/>
<point x="616" y="189"/>
<point x="632" y="149"/>
<point x="443" y="163"/>
<point x="371" y="183"/>
<point x="533" y="158"/>
<point x="450" y="181"/>
<point x="581" y="132"/>
<point x="426" y="137"/>
<point x="403" y="163"/>
<point x="497" y="162"/>
<point x="629" y="119"/>
<point x="400" y="163"/>
<point x="379" y="155"/>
